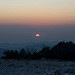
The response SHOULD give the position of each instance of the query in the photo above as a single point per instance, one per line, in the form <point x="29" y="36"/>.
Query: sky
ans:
<point x="21" y="20"/>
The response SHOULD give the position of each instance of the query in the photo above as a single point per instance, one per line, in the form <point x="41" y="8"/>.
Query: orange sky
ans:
<point x="37" y="12"/>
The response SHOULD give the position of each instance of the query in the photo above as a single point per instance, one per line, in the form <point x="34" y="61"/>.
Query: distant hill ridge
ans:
<point x="18" y="46"/>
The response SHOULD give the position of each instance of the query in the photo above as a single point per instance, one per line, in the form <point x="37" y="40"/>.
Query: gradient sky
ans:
<point x="20" y="20"/>
<point x="37" y="12"/>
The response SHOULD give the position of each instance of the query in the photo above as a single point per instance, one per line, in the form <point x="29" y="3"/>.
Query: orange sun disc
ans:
<point x="37" y="35"/>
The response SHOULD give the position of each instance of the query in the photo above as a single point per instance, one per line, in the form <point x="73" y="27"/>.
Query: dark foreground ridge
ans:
<point x="61" y="51"/>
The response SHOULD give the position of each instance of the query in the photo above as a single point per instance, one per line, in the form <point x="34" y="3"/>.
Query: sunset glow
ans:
<point x="37" y="20"/>
<point x="37" y="12"/>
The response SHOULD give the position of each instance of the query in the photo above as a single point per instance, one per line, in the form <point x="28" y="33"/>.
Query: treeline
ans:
<point x="61" y="51"/>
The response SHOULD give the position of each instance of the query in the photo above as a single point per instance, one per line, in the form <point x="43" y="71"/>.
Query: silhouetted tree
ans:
<point x="44" y="53"/>
<point x="63" y="51"/>
<point x="35" y="55"/>
<point x="22" y="54"/>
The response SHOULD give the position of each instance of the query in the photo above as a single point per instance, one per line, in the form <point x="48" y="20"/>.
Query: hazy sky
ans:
<point x="20" y="20"/>
<point x="21" y="34"/>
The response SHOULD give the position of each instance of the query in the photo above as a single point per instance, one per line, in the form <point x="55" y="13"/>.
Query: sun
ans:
<point x="37" y="35"/>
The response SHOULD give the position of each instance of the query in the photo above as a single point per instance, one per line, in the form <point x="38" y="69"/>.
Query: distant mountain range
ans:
<point x="19" y="46"/>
